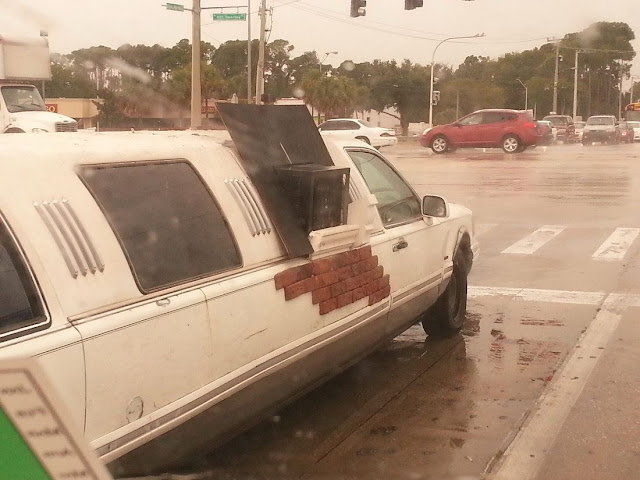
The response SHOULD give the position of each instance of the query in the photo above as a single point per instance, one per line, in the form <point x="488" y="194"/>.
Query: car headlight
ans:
<point x="426" y="130"/>
<point x="39" y="130"/>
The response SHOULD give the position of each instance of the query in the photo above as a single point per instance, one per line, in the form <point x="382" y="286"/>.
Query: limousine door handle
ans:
<point x="163" y="302"/>
<point x="400" y="245"/>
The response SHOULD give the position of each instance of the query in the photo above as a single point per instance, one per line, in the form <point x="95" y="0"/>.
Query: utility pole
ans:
<point x="196" y="91"/>
<point x="620" y="94"/>
<point x="260" y="69"/>
<point x="555" y="77"/>
<point x="249" y="72"/>
<point x="526" y="94"/>
<point x="575" y="88"/>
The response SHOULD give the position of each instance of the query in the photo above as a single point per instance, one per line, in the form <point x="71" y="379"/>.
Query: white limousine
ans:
<point x="167" y="300"/>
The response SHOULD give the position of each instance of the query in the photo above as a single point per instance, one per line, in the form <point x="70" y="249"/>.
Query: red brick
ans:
<point x="383" y="282"/>
<point x="379" y="295"/>
<point x="364" y="252"/>
<point x="344" y="273"/>
<point x="328" y="306"/>
<point x="370" y="288"/>
<point x="345" y="299"/>
<point x="358" y="293"/>
<point x="354" y="282"/>
<point x="320" y="295"/>
<point x="378" y="272"/>
<point x="299" y="288"/>
<point x="326" y="279"/>
<point x="322" y="265"/>
<point x="365" y="265"/>
<point x="350" y="257"/>
<point x="292" y="275"/>
<point x="338" y="289"/>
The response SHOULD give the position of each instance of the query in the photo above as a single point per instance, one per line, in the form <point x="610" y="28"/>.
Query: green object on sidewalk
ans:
<point x="17" y="461"/>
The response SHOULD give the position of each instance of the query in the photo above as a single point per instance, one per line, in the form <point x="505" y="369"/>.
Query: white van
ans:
<point x="146" y="274"/>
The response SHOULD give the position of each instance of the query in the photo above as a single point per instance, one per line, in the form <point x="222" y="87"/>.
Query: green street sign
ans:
<point x="175" y="6"/>
<point x="230" y="16"/>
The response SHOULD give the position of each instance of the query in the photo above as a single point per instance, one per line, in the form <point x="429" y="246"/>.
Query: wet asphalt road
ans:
<point x="426" y="409"/>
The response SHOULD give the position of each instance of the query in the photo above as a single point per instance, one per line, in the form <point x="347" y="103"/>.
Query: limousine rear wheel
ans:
<point x="447" y="315"/>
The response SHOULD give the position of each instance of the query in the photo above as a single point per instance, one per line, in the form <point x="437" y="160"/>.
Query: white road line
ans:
<point x="535" y="240"/>
<point x="482" y="228"/>
<point x="525" y="455"/>
<point x="540" y="295"/>
<point x="616" y="246"/>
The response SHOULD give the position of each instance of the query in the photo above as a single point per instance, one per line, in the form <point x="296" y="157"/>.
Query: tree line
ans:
<point x="136" y="80"/>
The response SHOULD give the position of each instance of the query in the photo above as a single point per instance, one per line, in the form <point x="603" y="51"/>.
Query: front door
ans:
<point x="411" y="247"/>
<point x="466" y="132"/>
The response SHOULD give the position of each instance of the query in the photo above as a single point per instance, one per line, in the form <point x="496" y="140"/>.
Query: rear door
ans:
<point x="155" y="349"/>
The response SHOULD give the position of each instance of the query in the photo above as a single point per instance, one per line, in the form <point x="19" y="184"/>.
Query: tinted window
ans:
<point x="329" y="126"/>
<point x="497" y="117"/>
<point x="166" y="220"/>
<point x="396" y="201"/>
<point x="349" y="126"/>
<point x="20" y="305"/>
<point x="473" y="119"/>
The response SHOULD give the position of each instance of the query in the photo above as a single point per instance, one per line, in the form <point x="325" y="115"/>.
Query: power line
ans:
<point x="343" y="18"/>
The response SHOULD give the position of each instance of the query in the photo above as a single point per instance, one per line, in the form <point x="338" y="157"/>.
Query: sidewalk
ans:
<point x="601" y="437"/>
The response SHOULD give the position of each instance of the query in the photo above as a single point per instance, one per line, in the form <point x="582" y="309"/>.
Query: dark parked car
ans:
<point x="510" y="130"/>
<point x="626" y="132"/>
<point x="565" y="126"/>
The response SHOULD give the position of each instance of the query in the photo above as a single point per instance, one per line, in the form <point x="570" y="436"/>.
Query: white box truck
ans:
<point x="22" y="109"/>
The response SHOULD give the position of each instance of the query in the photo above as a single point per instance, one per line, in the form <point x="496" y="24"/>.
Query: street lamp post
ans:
<point x="325" y="57"/>
<point x="575" y="88"/>
<point x="526" y="94"/>
<point x="477" y="35"/>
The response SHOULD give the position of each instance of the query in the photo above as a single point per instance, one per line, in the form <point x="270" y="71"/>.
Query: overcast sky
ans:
<point x="386" y="32"/>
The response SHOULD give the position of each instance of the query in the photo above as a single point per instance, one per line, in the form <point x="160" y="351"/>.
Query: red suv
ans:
<point x="511" y="130"/>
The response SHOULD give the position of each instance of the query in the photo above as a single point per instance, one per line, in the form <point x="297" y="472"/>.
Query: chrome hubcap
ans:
<point x="439" y="144"/>
<point x="510" y="144"/>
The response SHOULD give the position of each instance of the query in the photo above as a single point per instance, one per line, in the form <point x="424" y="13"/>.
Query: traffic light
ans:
<point x="357" y="8"/>
<point x="436" y="97"/>
<point x="411" y="4"/>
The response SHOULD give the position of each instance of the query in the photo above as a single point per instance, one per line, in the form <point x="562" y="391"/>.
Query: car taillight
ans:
<point x="529" y="125"/>
<point x="385" y="134"/>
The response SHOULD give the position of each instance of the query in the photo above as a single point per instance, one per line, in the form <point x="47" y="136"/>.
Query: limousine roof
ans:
<point x="108" y="147"/>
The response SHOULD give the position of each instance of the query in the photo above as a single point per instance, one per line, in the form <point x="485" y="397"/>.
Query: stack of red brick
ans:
<point x="337" y="280"/>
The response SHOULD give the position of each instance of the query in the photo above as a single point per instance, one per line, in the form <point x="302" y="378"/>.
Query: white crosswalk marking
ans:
<point x="535" y="240"/>
<point x="482" y="228"/>
<point x="616" y="246"/>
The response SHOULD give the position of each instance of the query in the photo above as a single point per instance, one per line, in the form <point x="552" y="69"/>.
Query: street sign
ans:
<point x="39" y="439"/>
<point x="230" y="16"/>
<point x="175" y="6"/>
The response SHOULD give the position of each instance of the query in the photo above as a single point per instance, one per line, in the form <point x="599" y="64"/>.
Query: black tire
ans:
<point x="14" y="130"/>
<point x="447" y="315"/>
<point x="511" y="144"/>
<point x="364" y="139"/>
<point x="440" y="144"/>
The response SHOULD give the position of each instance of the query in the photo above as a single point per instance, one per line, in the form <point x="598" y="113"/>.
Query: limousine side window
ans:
<point x="167" y="221"/>
<point x="397" y="204"/>
<point x="20" y="305"/>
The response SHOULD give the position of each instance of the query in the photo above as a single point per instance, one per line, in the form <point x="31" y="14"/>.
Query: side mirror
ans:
<point x="435" y="206"/>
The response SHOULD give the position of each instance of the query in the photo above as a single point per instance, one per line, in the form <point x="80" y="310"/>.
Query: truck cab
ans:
<point x="22" y="110"/>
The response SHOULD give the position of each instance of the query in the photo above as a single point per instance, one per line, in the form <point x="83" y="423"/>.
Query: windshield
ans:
<point x="22" y="98"/>
<point x="557" y="121"/>
<point x="634" y="124"/>
<point x="601" y="121"/>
